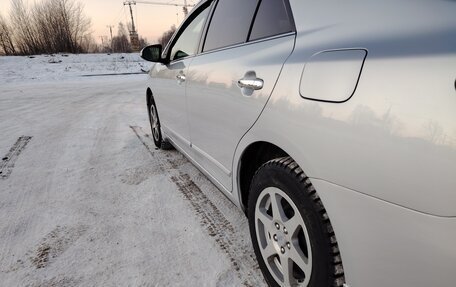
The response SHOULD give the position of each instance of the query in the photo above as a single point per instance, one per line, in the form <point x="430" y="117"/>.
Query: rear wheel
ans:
<point x="156" y="128"/>
<point x="290" y="229"/>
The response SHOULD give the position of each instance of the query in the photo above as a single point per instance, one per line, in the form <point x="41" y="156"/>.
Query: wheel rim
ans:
<point x="154" y="123"/>
<point x="282" y="238"/>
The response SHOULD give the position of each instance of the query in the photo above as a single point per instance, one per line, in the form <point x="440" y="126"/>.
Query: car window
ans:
<point x="271" y="19"/>
<point x="187" y="43"/>
<point x="230" y="23"/>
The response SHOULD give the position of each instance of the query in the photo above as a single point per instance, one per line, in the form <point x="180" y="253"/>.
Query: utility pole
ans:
<point x="134" y="39"/>
<point x="185" y="8"/>
<point x="129" y="3"/>
<point x="110" y="30"/>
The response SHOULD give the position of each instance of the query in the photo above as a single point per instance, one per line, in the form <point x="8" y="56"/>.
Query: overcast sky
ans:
<point x="151" y="20"/>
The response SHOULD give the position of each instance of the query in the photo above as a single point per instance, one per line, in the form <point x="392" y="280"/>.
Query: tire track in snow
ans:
<point x="211" y="218"/>
<point x="55" y="244"/>
<point x="10" y="158"/>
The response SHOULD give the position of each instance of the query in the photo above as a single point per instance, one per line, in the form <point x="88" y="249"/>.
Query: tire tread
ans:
<point x="293" y="168"/>
<point x="166" y="145"/>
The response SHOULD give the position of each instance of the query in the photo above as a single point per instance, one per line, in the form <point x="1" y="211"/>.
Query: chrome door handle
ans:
<point x="180" y="78"/>
<point x="250" y="83"/>
<point x="254" y="84"/>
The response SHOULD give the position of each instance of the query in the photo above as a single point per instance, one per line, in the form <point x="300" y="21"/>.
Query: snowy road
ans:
<point x="88" y="201"/>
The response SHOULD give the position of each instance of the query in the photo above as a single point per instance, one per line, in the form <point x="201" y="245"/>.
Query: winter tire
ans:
<point x="291" y="233"/>
<point x="155" y="127"/>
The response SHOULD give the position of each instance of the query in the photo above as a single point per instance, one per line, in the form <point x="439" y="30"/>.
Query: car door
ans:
<point x="229" y="83"/>
<point x="169" y="80"/>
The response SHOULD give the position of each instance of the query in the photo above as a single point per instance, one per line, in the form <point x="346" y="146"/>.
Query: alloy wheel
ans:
<point x="154" y="123"/>
<point x="283" y="238"/>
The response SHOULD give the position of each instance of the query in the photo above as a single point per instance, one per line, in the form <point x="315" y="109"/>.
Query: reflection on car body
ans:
<point x="331" y="124"/>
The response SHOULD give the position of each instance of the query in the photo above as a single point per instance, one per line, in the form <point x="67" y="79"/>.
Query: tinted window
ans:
<point x="272" y="19"/>
<point x="230" y="24"/>
<point x="187" y="43"/>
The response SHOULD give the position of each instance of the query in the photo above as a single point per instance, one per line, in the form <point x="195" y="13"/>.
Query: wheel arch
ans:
<point x="253" y="156"/>
<point x="149" y="96"/>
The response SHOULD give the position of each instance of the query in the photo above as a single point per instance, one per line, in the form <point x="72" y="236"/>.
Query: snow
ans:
<point x="90" y="201"/>
<point x="67" y="66"/>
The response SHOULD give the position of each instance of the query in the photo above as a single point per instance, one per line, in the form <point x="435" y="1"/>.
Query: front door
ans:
<point x="169" y="81"/>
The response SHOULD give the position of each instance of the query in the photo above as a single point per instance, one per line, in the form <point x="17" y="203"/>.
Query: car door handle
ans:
<point x="254" y="84"/>
<point x="180" y="78"/>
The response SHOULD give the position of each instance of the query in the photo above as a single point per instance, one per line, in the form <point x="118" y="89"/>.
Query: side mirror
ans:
<point x="152" y="53"/>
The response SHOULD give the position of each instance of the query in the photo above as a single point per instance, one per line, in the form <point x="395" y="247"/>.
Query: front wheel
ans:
<point x="156" y="128"/>
<point x="290" y="229"/>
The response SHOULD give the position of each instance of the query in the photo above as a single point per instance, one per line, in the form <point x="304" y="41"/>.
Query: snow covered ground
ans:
<point x="89" y="201"/>
<point x="67" y="66"/>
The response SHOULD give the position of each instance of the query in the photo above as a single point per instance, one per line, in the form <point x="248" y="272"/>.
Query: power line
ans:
<point x="184" y="6"/>
<point x="119" y="15"/>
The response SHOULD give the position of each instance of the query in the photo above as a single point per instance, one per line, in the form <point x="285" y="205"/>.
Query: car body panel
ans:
<point x="399" y="28"/>
<point x="169" y="94"/>
<point x="219" y="112"/>
<point x="384" y="244"/>
<point x="395" y="139"/>
<point x="383" y="162"/>
<point x="332" y="76"/>
<point x="378" y="142"/>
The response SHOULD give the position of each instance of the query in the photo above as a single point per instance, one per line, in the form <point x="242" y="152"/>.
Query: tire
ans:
<point x="155" y="127"/>
<point x="290" y="228"/>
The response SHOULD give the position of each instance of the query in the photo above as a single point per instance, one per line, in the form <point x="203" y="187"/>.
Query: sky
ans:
<point x="151" y="20"/>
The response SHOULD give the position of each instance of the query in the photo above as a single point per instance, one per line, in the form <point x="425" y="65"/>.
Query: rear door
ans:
<point x="229" y="83"/>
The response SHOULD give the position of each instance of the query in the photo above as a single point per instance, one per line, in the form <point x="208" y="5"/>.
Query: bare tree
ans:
<point x="50" y="26"/>
<point x="6" y="38"/>
<point x="89" y="45"/>
<point x="120" y="43"/>
<point x="25" y="35"/>
<point x="61" y="24"/>
<point x="164" y="39"/>
<point x="143" y="42"/>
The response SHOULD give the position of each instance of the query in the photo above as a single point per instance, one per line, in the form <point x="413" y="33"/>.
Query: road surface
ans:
<point x="87" y="200"/>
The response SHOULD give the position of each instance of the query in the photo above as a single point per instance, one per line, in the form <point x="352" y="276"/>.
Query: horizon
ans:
<point x="151" y="21"/>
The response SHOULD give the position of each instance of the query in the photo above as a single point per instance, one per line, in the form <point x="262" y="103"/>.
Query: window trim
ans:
<point x="252" y="23"/>
<point x="290" y="19"/>
<point x="234" y="46"/>
<point x="290" y="15"/>
<point x="247" y="41"/>
<point x="209" y="24"/>
<point x="202" y="6"/>
<point x="206" y="26"/>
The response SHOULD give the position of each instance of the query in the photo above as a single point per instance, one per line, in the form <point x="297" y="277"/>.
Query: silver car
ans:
<point x="332" y="124"/>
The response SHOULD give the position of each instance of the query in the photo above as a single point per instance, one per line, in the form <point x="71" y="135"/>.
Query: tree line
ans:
<point x="54" y="26"/>
<point x="49" y="26"/>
